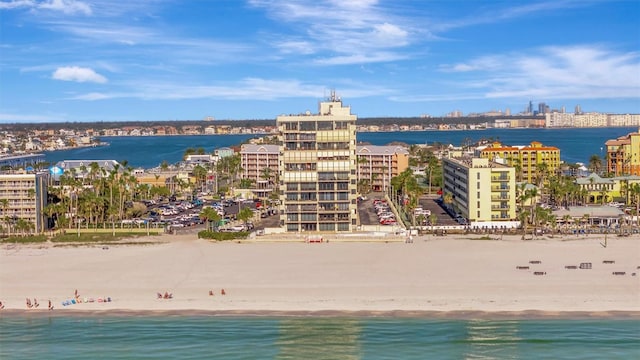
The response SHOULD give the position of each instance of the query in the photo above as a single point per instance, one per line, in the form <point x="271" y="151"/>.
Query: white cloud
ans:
<point x="495" y="15"/>
<point x="574" y="72"/>
<point x="14" y="4"/>
<point x="345" y="30"/>
<point x="361" y="58"/>
<point x="244" y="89"/>
<point x="65" y="6"/>
<point x="94" y="96"/>
<point x="78" y="74"/>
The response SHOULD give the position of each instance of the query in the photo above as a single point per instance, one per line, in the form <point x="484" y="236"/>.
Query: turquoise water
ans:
<point x="576" y="145"/>
<point x="211" y="337"/>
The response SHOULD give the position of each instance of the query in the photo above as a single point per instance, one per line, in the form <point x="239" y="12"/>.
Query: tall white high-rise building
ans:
<point x="318" y="169"/>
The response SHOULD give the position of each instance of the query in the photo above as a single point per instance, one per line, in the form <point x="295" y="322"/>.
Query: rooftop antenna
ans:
<point x="333" y="97"/>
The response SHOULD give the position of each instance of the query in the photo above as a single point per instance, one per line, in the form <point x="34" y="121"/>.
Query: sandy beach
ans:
<point x="431" y="275"/>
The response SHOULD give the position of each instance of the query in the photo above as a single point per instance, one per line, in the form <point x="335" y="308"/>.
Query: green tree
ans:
<point x="595" y="163"/>
<point x="245" y="214"/>
<point x="210" y="216"/>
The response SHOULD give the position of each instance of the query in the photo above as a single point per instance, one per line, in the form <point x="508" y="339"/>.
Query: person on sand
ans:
<point x="159" y="296"/>
<point x="1" y="305"/>
<point x="76" y="294"/>
<point x="28" y="303"/>
<point x="210" y="292"/>
<point x="222" y="292"/>
<point x="35" y="302"/>
<point x="50" y="305"/>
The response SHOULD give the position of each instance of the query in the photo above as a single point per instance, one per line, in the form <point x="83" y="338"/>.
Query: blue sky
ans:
<point x="107" y="60"/>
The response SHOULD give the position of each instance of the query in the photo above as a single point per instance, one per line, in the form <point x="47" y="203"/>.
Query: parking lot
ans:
<point x="444" y="219"/>
<point x="368" y="216"/>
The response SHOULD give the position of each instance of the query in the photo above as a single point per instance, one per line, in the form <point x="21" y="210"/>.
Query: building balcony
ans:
<point x="500" y="178"/>
<point x="500" y="207"/>
<point x="500" y="197"/>
<point x="499" y="188"/>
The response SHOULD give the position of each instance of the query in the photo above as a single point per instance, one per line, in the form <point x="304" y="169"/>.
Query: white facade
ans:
<point x="318" y="169"/>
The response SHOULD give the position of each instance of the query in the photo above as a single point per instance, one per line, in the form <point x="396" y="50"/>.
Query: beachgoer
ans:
<point x="166" y="295"/>
<point x="1" y="305"/>
<point x="28" y="303"/>
<point x="210" y="292"/>
<point x="159" y="296"/>
<point x="222" y="292"/>
<point x="50" y="305"/>
<point x="35" y="302"/>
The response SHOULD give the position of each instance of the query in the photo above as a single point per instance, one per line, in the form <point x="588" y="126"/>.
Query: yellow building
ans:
<point x="379" y="164"/>
<point x="526" y="159"/>
<point x="481" y="191"/>
<point x="24" y="197"/>
<point x="318" y="183"/>
<point x="599" y="190"/>
<point x="623" y="155"/>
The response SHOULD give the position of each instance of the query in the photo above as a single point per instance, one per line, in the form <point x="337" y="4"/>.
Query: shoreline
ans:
<point x="391" y="314"/>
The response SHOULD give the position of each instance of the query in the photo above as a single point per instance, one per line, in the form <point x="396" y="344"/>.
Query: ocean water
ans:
<point x="219" y="337"/>
<point x="576" y="145"/>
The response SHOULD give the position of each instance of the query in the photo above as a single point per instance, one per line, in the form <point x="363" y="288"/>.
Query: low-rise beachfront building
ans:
<point x="81" y="169"/>
<point x="259" y="163"/>
<point x="200" y="159"/>
<point x="223" y="152"/>
<point x="601" y="190"/>
<point x="623" y="155"/>
<point x="577" y="218"/>
<point x="481" y="191"/>
<point x="23" y="199"/>
<point x="318" y="181"/>
<point x="527" y="159"/>
<point x="377" y="165"/>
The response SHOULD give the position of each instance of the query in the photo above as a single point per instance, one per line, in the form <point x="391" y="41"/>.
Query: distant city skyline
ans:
<point x="106" y="60"/>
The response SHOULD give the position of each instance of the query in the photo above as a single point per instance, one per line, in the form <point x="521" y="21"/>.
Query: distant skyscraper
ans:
<point x="578" y="110"/>
<point x="507" y="112"/>
<point x="563" y="109"/>
<point x="542" y="108"/>
<point x="530" y="108"/>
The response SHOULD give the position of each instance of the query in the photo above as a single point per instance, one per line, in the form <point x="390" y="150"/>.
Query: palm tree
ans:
<point x="432" y="165"/>
<point x="200" y="173"/>
<point x="565" y="220"/>
<point x="523" y="216"/>
<point x="24" y="226"/>
<point x="5" y="206"/>
<point x="210" y="215"/>
<point x="433" y="220"/>
<point x="595" y="163"/>
<point x="634" y="192"/>
<point x="245" y="214"/>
